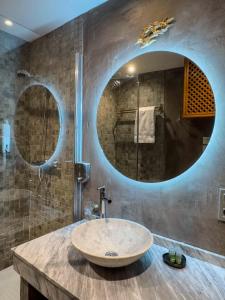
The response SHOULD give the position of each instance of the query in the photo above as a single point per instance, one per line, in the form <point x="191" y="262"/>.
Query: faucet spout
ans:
<point x="103" y="201"/>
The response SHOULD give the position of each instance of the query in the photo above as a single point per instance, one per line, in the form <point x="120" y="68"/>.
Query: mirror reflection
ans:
<point x="36" y="125"/>
<point x="156" y="116"/>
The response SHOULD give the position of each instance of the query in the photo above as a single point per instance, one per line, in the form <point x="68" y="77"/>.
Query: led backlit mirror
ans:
<point x="156" y="116"/>
<point x="36" y="125"/>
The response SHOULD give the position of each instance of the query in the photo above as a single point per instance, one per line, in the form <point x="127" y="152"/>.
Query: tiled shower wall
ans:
<point x="33" y="203"/>
<point x="36" y="124"/>
<point x="106" y="122"/>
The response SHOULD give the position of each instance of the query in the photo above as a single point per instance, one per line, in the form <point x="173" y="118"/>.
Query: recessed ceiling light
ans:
<point x="131" y="69"/>
<point x="8" y="23"/>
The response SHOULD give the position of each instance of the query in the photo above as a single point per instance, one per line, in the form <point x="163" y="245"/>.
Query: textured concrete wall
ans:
<point x="184" y="208"/>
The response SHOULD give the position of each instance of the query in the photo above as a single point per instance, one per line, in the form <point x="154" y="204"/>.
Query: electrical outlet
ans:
<point x="221" y="212"/>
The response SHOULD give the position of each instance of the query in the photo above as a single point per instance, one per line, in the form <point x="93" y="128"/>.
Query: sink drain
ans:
<point x="111" y="253"/>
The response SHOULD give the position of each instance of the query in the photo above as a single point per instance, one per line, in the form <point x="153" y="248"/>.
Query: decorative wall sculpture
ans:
<point x="152" y="31"/>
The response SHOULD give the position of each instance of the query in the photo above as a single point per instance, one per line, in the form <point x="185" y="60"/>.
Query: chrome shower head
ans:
<point x="116" y="83"/>
<point x="23" y="74"/>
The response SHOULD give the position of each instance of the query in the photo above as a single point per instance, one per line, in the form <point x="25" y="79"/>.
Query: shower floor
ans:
<point x="9" y="284"/>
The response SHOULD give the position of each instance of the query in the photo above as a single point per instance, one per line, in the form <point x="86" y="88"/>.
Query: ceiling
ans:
<point x="150" y="62"/>
<point x="35" y="18"/>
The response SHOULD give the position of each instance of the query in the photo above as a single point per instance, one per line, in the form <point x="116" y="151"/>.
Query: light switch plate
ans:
<point x="221" y="212"/>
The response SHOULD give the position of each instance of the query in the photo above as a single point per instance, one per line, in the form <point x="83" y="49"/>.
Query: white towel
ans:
<point x="146" y="125"/>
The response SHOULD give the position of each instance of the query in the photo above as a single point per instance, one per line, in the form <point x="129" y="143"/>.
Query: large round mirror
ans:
<point x="37" y="125"/>
<point x="156" y="116"/>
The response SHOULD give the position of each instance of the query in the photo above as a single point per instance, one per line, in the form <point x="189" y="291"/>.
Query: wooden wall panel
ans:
<point x="198" y="95"/>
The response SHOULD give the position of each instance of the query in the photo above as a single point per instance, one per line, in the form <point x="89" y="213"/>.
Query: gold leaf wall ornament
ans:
<point x="152" y="31"/>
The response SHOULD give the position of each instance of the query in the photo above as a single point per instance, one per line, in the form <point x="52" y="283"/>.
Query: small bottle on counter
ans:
<point x="172" y="255"/>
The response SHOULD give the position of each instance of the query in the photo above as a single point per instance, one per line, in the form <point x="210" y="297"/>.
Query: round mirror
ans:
<point x="37" y="125"/>
<point x="156" y="116"/>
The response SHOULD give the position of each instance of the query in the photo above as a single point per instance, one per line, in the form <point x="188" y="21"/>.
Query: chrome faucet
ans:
<point x="103" y="201"/>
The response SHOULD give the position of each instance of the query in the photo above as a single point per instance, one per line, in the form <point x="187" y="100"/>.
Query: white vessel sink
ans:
<point x="112" y="242"/>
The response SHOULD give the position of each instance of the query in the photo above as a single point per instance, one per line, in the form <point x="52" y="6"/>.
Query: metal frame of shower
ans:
<point x="138" y="109"/>
<point x="78" y="133"/>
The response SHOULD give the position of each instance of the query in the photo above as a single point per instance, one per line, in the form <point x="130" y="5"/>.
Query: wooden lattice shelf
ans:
<point x="198" y="95"/>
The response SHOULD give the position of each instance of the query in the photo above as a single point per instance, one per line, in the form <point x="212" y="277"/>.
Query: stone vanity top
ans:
<point x="52" y="265"/>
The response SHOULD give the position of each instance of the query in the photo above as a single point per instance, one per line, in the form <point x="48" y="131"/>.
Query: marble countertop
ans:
<point x="52" y="265"/>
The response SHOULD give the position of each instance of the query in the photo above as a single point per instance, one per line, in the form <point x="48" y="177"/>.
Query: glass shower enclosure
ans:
<point x="36" y="197"/>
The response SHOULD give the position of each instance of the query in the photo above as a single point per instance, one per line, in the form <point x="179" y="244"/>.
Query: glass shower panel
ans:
<point x="118" y="125"/>
<point x="50" y="61"/>
<point x="151" y="156"/>
<point x="126" y="149"/>
<point x="14" y="200"/>
<point x="36" y="199"/>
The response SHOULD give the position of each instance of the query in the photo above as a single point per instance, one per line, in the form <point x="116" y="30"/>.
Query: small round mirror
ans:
<point x="37" y="125"/>
<point x="156" y="116"/>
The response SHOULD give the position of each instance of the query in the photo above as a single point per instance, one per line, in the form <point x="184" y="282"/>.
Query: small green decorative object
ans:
<point x="172" y="256"/>
<point x="176" y="261"/>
